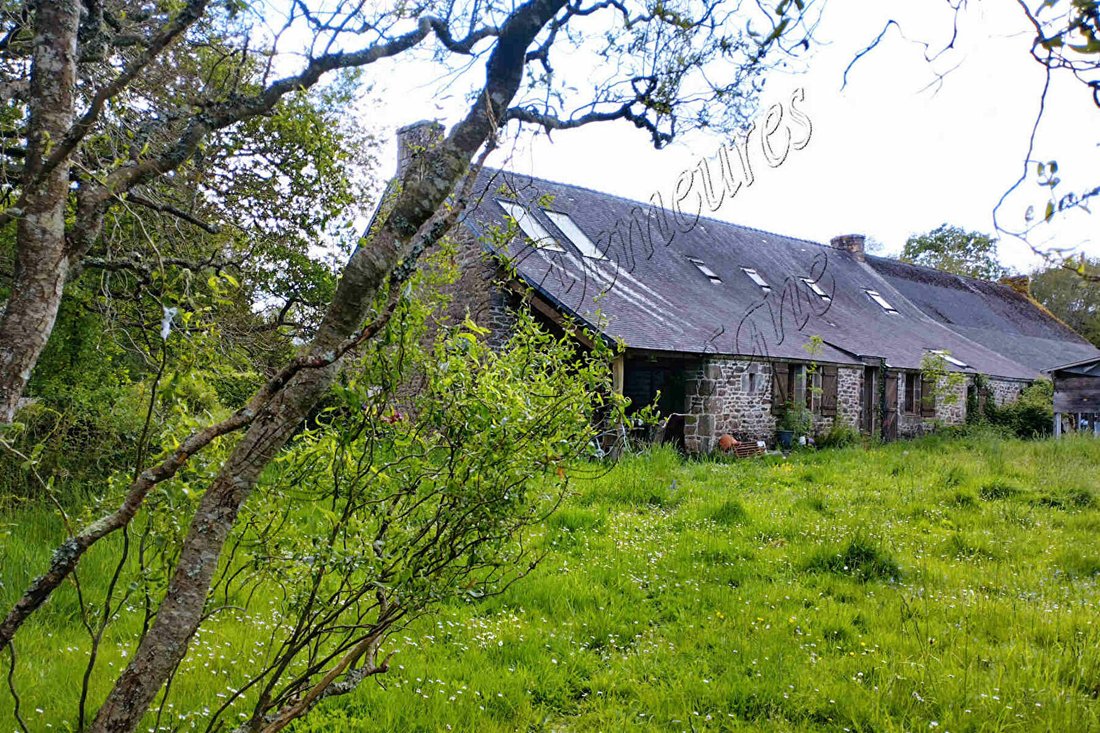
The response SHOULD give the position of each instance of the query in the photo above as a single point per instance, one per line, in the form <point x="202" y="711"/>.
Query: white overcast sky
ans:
<point x="889" y="156"/>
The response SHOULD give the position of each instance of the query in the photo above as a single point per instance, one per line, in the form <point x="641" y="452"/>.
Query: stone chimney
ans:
<point x="1020" y="283"/>
<point x="852" y="243"/>
<point x="415" y="138"/>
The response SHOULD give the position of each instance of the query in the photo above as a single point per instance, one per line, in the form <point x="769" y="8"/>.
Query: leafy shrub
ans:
<point x="795" y="418"/>
<point x="1029" y="417"/>
<point x="839" y="435"/>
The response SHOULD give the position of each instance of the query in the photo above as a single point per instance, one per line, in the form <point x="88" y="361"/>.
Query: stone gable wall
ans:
<point x="476" y="290"/>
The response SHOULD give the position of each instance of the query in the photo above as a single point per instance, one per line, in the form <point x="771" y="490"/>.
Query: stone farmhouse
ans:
<point x="729" y="324"/>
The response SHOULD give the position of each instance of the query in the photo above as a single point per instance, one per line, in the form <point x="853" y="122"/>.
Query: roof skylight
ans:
<point x="574" y="234"/>
<point x="755" y="277"/>
<point x="530" y="226"/>
<point x="711" y="274"/>
<point x="874" y="295"/>
<point x="812" y="285"/>
<point x="950" y="359"/>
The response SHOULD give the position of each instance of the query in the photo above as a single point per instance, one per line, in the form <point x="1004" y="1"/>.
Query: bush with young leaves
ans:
<point x="1030" y="416"/>
<point x="420" y="482"/>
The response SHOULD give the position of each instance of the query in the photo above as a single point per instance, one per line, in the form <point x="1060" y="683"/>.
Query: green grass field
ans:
<point x="928" y="586"/>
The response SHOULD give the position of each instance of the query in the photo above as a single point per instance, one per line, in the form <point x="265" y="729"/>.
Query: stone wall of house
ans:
<point x="1005" y="391"/>
<point x="849" y="391"/>
<point x="726" y="395"/>
<point x="477" y="293"/>
<point x="950" y="410"/>
<point x="734" y="396"/>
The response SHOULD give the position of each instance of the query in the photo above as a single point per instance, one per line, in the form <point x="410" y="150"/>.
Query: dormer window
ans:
<point x="815" y="288"/>
<point x="574" y="234"/>
<point x="874" y="295"/>
<point x="755" y="277"/>
<point x="530" y="226"/>
<point x="711" y="274"/>
<point x="946" y="355"/>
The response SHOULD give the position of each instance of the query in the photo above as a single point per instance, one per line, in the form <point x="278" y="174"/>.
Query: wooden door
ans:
<point x="890" y="411"/>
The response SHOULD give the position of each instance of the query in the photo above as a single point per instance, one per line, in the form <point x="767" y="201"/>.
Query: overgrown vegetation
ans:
<point x="416" y="482"/>
<point x="1030" y="416"/>
<point x="947" y="582"/>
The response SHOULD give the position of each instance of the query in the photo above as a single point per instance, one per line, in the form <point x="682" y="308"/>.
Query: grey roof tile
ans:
<point x="649" y="293"/>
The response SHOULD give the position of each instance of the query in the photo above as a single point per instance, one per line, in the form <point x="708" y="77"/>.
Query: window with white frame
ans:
<point x="815" y="288"/>
<point x="885" y="304"/>
<point x="950" y="359"/>
<point x="756" y="278"/>
<point x="702" y="267"/>
<point x="530" y="226"/>
<point x="575" y="235"/>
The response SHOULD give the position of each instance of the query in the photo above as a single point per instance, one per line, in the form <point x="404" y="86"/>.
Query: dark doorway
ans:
<point x="644" y="378"/>
<point x="869" y="400"/>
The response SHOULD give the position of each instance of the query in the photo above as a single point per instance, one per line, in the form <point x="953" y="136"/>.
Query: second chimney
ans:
<point x="852" y="243"/>
<point x="414" y="139"/>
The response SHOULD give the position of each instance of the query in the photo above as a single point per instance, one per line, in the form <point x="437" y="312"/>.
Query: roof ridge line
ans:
<point x="1027" y="297"/>
<point x="643" y="203"/>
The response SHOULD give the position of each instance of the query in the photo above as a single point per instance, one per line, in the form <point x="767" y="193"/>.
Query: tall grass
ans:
<point x="928" y="586"/>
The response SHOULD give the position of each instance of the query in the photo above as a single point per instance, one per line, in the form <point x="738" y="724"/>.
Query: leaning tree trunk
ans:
<point x="425" y="187"/>
<point x="42" y="262"/>
<point x="179" y="614"/>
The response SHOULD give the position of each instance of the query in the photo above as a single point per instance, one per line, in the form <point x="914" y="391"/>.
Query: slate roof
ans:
<point x="649" y="294"/>
<point x="991" y="314"/>
<point x="1083" y="368"/>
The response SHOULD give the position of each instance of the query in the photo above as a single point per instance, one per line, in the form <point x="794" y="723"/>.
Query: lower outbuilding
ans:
<point x="1076" y="397"/>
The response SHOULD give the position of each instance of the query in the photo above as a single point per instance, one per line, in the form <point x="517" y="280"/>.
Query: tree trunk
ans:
<point x="179" y="614"/>
<point x="425" y="188"/>
<point x="42" y="263"/>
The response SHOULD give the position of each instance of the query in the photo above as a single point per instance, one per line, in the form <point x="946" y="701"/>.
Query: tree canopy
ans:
<point x="953" y="249"/>
<point x="1074" y="299"/>
<point x="168" y="173"/>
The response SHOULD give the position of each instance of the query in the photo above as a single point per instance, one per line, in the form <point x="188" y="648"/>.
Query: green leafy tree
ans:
<point x="1070" y="297"/>
<point x="113" y="103"/>
<point x="953" y="249"/>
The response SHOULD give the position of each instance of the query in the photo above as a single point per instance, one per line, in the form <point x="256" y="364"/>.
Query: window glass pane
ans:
<point x="574" y="234"/>
<point x="755" y="277"/>
<point x="815" y="288"/>
<point x="950" y="359"/>
<point x="874" y="295"/>
<point x="530" y="226"/>
<point x="711" y="274"/>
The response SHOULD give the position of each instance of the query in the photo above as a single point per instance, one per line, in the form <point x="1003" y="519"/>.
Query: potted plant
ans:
<point x="795" y="420"/>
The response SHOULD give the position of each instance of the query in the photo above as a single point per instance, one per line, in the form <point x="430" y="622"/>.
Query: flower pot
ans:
<point x="785" y="438"/>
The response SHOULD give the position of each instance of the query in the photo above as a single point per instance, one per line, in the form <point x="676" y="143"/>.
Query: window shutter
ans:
<point x="828" y="391"/>
<point x="927" y="397"/>
<point x="779" y="388"/>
